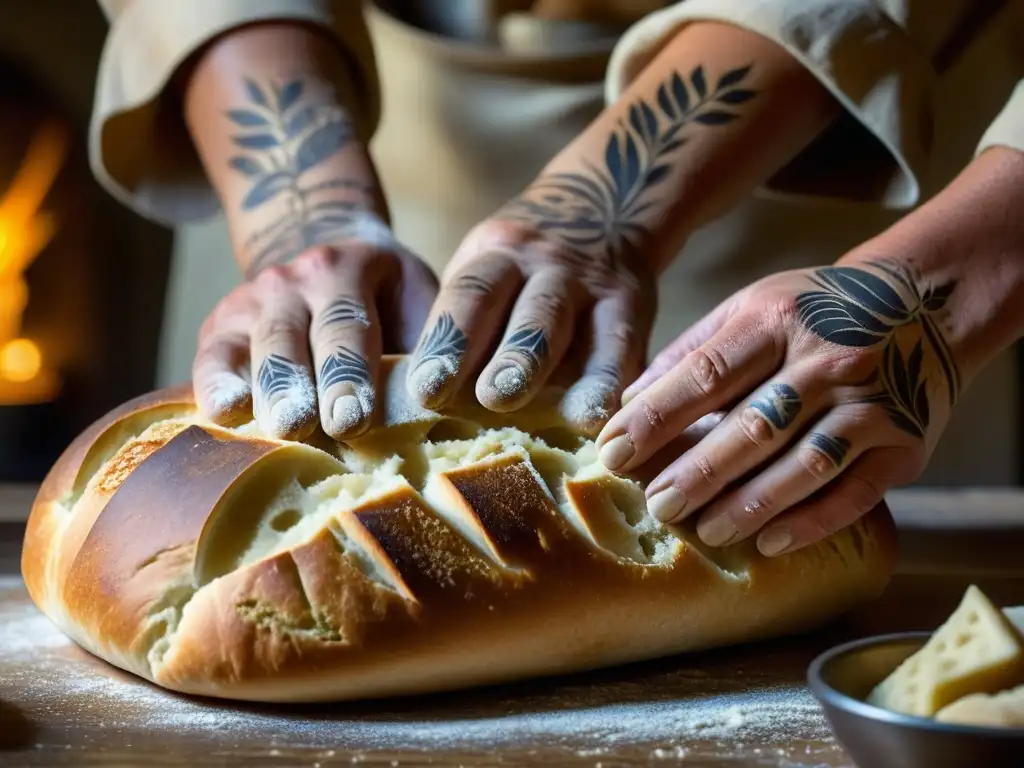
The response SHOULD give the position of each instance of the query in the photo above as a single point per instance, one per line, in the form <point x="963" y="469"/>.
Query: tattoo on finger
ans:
<point x="780" y="404"/>
<point x="344" y="366"/>
<point x="439" y="356"/>
<point x="278" y="374"/>
<point x="833" y="447"/>
<point x="342" y="311"/>
<point x="521" y="356"/>
<point x="531" y="343"/>
<point x="286" y="397"/>
<point x="473" y="284"/>
<point x="606" y="371"/>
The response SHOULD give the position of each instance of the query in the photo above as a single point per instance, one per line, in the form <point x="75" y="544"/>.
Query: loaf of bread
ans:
<point x="436" y="551"/>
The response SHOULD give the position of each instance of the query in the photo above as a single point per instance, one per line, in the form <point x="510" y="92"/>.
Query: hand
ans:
<point x="311" y="331"/>
<point x="838" y="382"/>
<point x="519" y="283"/>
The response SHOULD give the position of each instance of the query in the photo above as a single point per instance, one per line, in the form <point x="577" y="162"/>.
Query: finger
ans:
<point x="219" y="378"/>
<point x="539" y="331"/>
<point x="346" y="340"/>
<point x="720" y="371"/>
<point x="859" y="490"/>
<point x="285" y="396"/>
<point x="687" y="342"/>
<point x="616" y="351"/>
<point x="751" y="434"/>
<point x="812" y="463"/>
<point x="405" y="306"/>
<point x="466" y="319"/>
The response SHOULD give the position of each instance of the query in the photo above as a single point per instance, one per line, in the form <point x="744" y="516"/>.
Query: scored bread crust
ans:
<point x="435" y="552"/>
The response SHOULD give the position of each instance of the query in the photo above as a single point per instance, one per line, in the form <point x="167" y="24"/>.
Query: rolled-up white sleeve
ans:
<point x="1007" y="130"/>
<point x="139" y="146"/>
<point x="875" y="70"/>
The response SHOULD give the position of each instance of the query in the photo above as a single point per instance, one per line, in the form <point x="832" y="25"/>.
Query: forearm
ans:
<point x="268" y="110"/>
<point x="968" y="241"/>
<point x="714" y="115"/>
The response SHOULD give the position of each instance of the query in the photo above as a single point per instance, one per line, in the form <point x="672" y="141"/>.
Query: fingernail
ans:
<point x="292" y="417"/>
<point x="616" y="452"/>
<point x="428" y="379"/>
<point x="347" y="413"/>
<point x="509" y="381"/>
<point x="774" y="541"/>
<point x="666" y="504"/>
<point x="229" y="399"/>
<point x="588" y="405"/>
<point x="717" y="530"/>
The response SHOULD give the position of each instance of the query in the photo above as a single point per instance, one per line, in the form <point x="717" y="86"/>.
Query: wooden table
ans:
<point x="743" y="706"/>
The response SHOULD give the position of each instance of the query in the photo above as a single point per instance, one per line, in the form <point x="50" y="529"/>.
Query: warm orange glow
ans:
<point x="24" y="233"/>
<point x="20" y="360"/>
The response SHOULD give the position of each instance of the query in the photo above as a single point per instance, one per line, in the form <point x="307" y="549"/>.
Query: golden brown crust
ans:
<point x="60" y="481"/>
<point x="218" y="562"/>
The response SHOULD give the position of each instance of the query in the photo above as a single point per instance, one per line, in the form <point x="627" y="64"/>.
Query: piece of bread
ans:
<point x="1004" y="709"/>
<point x="434" y="552"/>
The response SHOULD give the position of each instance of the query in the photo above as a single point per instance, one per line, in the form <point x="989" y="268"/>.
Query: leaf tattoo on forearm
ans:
<point x="598" y="212"/>
<point x="853" y="307"/>
<point x="285" y="135"/>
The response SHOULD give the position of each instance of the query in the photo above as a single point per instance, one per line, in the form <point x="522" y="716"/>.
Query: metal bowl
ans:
<point x="843" y="677"/>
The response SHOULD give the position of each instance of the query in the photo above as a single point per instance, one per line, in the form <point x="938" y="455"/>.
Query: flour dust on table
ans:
<point x="44" y="672"/>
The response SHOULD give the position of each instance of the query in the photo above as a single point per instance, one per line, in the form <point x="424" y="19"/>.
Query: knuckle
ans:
<point x="653" y="416"/>
<point x="705" y="468"/>
<point x="272" y="279"/>
<point x="621" y="335"/>
<point x="501" y="234"/>
<point x="546" y="306"/>
<point x="319" y="257"/>
<point x="849" y="367"/>
<point x="784" y="311"/>
<point x="757" y="511"/>
<point x="275" y="330"/>
<point x="815" y="463"/>
<point x="755" y="427"/>
<point x="708" y="371"/>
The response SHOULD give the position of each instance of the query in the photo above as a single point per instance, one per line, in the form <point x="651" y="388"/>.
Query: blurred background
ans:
<point x="98" y="305"/>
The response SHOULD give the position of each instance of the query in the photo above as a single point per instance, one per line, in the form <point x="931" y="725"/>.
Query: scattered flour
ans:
<point x="428" y="379"/>
<point x="293" y="411"/>
<point x="510" y="381"/>
<point x="41" y="670"/>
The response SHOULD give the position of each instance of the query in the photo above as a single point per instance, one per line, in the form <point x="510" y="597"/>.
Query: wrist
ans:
<point x="966" y="243"/>
<point x="269" y="112"/>
<point x="714" y="115"/>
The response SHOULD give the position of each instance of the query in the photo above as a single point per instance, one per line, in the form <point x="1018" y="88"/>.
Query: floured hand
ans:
<point x="302" y="340"/>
